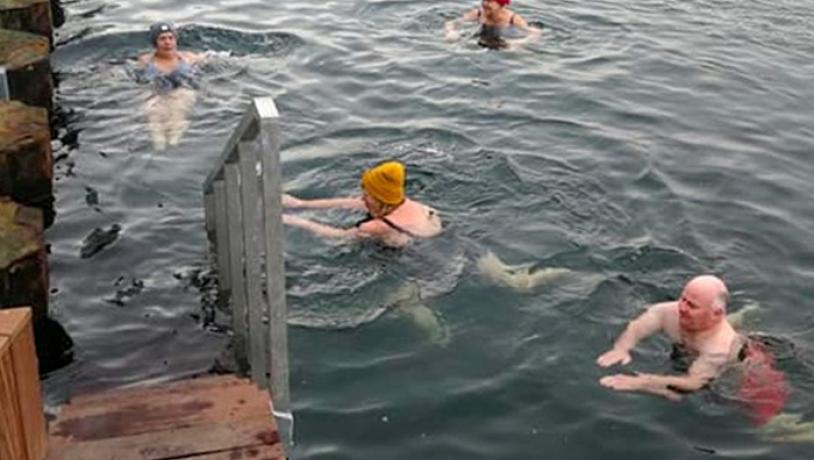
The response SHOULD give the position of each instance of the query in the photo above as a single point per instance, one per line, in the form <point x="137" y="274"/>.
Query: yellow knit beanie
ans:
<point x="385" y="182"/>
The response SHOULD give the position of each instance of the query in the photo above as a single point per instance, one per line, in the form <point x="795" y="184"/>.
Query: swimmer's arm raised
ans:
<point x="344" y="203"/>
<point x="320" y="229"/>
<point x="648" y="323"/>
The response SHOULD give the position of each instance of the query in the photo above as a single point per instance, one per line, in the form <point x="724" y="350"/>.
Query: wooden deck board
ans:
<point x="159" y="411"/>
<point x="205" y="419"/>
<point x="105" y="398"/>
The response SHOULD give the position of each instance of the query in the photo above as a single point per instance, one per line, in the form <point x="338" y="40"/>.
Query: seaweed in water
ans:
<point x="125" y="293"/>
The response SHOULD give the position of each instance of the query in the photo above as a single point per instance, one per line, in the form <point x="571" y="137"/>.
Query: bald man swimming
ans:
<point x="700" y="331"/>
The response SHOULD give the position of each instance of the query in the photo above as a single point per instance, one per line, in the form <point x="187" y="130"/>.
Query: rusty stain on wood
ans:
<point x="126" y="420"/>
<point x="213" y="418"/>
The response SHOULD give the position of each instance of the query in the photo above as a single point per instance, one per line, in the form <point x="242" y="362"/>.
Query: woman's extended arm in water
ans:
<point x="451" y="26"/>
<point x="320" y="229"/>
<point x="344" y="203"/>
<point x="192" y="58"/>
<point x="532" y="32"/>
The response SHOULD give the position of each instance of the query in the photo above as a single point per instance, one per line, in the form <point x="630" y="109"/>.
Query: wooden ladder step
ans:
<point x="206" y="419"/>
<point x="105" y="397"/>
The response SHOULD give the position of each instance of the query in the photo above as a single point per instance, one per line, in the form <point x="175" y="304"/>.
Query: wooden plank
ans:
<point x="16" y="325"/>
<point x="264" y="452"/>
<point x="13" y="321"/>
<point x="159" y="412"/>
<point x="12" y="441"/>
<point x="173" y="444"/>
<point x="178" y="387"/>
<point x="24" y="356"/>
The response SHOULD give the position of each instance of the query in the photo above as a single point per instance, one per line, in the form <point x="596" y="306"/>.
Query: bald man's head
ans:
<point x="703" y="303"/>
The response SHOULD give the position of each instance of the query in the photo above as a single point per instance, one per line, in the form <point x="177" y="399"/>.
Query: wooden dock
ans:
<point x="208" y="418"/>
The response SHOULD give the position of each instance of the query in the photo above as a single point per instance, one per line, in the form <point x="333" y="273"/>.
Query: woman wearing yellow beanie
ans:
<point x="392" y="217"/>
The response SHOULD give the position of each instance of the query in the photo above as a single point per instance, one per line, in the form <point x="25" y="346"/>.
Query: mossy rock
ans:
<point x="28" y="67"/>
<point x="27" y="15"/>
<point x="21" y="124"/>
<point x="22" y="49"/>
<point x="26" y="162"/>
<point x="20" y="233"/>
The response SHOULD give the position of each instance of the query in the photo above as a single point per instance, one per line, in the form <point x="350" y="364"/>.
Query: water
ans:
<point x="636" y="144"/>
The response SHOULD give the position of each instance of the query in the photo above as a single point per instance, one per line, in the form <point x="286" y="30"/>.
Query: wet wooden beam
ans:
<point x="28" y="67"/>
<point x="20" y="393"/>
<point x="23" y="260"/>
<point x="26" y="161"/>
<point x="32" y="16"/>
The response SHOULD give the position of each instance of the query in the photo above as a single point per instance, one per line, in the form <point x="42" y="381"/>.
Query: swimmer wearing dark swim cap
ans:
<point x="159" y="28"/>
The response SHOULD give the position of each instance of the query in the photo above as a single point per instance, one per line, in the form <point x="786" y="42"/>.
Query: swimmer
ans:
<point x="172" y="72"/>
<point x="495" y="19"/>
<point x="698" y="326"/>
<point x="392" y="217"/>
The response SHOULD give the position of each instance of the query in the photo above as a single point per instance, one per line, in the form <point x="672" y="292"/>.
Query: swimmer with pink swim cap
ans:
<point x="496" y="20"/>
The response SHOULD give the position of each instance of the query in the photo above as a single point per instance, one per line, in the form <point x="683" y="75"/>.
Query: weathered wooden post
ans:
<point x="26" y="162"/>
<point x="22" y="424"/>
<point x="27" y="16"/>
<point x="23" y="263"/>
<point x="26" y="59"/>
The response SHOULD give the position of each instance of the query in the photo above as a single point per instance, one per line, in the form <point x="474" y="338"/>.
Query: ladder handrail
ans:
<point x="262" y="108"/>
<point x="243" y="209"/>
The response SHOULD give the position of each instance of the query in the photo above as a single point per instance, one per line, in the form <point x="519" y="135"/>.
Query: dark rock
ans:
<point x="98" y="240"/>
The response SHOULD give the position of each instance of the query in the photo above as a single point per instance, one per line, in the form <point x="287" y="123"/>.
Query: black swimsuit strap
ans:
<point x="367" y="219"/>
<point x="511" y="21"/>
<point x="396" y="227"/>
<point x="387" y="221"/>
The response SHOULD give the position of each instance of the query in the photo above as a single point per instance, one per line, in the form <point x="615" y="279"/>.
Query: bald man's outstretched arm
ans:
<point x="647" y="324"/>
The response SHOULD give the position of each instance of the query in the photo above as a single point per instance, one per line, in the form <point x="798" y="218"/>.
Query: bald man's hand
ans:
<point x="614" y="356"/>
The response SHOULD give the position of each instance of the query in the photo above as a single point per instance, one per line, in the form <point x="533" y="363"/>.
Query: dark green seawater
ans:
<point x="637" y="143"/>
